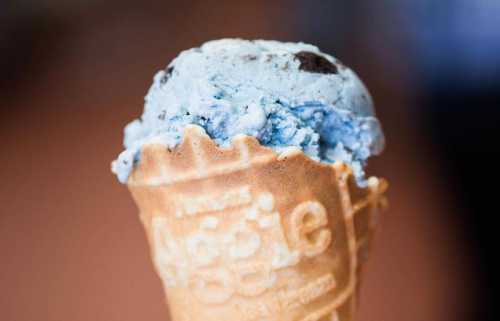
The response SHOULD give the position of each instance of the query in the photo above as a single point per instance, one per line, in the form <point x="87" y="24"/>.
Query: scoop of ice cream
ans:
<point x="284" y="94"/>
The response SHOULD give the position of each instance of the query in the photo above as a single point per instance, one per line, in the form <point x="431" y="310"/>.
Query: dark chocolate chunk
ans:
<point x="167" y="75"/>
<point x="162" y="115"/>
<point x="311" y="62"/>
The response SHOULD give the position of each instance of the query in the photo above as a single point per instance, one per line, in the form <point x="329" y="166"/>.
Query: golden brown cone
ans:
<point x="242" y="233"/>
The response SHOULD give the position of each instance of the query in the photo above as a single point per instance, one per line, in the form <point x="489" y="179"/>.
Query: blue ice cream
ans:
<point x="284" y="94"/>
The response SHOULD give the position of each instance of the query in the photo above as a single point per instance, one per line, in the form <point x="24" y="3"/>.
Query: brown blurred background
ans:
<point x="75" y="72"/>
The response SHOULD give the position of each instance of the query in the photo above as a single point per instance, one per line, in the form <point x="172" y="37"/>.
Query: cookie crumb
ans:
<point x="250" y="57"/>
<point x="167" y="75"/>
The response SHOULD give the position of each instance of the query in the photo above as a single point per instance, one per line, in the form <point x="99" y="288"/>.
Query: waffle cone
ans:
<point x="242" y="233"/>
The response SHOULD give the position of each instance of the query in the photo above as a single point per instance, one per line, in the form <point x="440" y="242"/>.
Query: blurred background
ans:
<point x="74" y="72"/>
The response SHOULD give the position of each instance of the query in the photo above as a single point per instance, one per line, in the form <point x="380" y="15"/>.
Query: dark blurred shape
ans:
<point x="459" y="57"/>
<point x="28" y="44"/>
<point x="464" y="123"/>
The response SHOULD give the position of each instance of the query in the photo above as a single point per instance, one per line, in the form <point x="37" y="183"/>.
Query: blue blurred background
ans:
<point x="73" y="72"/>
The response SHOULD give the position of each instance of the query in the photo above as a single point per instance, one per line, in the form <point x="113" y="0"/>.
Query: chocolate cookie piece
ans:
<point x="168" y="74"/>
<point x="311" y="62"/>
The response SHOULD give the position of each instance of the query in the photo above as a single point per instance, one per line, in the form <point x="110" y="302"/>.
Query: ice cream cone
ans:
<point x="242" y="233"/>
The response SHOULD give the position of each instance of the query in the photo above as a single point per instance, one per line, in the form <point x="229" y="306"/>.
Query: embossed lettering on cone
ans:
<point x="242" y="233"/>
